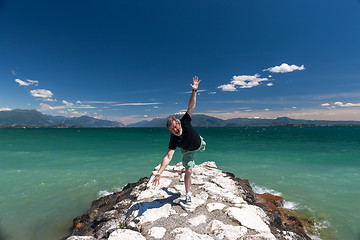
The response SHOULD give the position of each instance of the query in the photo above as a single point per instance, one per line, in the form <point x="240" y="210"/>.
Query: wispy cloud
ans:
<point x="5" y="109"/>
<point x="136" y="104"/>
<point x="66" y="105"/>
<point x="98" y="102"/>
<point x="200" y="90"/>
<point x="284" y="68"/>
<point x="27" y="82"/>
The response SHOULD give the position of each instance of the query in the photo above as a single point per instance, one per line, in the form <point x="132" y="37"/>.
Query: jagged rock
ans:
<point x="195" y="221"/>
<point x="187" y="233"/>
<point x="215" y="206"/>
<point x="223" y="231"/>
<point x="81" y="238"/>
<point x="223" y="207"/>
<point x="251" y="217"/>
<point x="122" y="234"/>
<point x="157" y="232"/>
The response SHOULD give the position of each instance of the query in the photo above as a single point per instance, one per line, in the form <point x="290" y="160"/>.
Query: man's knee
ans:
<point x="188" y="171"/>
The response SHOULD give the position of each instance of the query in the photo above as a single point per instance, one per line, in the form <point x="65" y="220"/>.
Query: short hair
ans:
<point x="170" y="121"/>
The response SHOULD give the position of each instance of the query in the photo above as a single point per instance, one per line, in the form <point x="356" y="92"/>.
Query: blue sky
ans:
<point x="134" y="60"/>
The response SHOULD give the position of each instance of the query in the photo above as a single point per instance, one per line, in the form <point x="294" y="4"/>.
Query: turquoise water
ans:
<point x="49" y="176"/>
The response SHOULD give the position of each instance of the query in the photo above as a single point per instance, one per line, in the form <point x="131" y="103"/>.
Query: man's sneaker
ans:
<point x="187" y="199"/>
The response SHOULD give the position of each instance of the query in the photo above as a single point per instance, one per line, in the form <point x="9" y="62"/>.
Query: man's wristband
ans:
<point x="194" y="90"/>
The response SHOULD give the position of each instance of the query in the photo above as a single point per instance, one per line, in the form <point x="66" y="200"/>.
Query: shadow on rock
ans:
<point x="137" y="210"/>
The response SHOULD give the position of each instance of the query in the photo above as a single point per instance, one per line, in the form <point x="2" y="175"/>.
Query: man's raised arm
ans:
<point x="192" y="101"/>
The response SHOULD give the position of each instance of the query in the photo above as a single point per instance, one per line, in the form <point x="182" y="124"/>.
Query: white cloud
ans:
<point x="227" y="87"/>
<point x="41" y="93"/>
<point x="243" y="81"/>
<point x="340" y="104"/>
<point x="285" y="68"/>
<point x="269" y="84"/>
<point x="135" y="104"/>
<point x="27" y="82"/>
<point x="247" y="81"/>
<point x="5" y="109"/>
<point x="325" y="104"/>
<point x="212" y="93"/>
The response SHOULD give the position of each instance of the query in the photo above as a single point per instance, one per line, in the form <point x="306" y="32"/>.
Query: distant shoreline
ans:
<point x="80" y="127"/>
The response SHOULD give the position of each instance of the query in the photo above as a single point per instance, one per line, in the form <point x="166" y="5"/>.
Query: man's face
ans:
<point x="175" y="128"/>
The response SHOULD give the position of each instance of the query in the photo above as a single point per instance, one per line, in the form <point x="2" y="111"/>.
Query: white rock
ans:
<point x="209" y="164"/>
<point x="196" y="201"/>
<point x="225" y="183"/>
<point x="196" y="221"/>
<point x="163" y="183"/>
<point x="136" y="190"/>
<point x="126" y="234"/>
<point x="81" y="238"/>
<point x="157" y="232"/>
<point x="180" y="188"/>
<point x="183" y="215"/>
<point x="157" y="167"/>
<point x="107" y="227"/>
<point x="199" y="179"/>
<point x="187" y="234"/>
<point x="178" y="167"/>
<point x="222" y="194"/>
<point x="223" y="231"/>
<point x="169" y="174"/>
<point x="215" y="206"/>
<point x="155" y="191"/>
<point x="249" y="216"/>
<point x="210" y="172"/>
<point x="291" y="235"/>
<point x="142" y="212"/>
<point x="123" y="202"/>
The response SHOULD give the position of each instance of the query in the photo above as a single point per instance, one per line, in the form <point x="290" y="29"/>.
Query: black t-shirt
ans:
<point x="189" y="140"/>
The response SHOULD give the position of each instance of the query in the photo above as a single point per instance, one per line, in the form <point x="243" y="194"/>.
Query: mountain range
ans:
<point x="19" y="117"/>
<point x="201" y="120"/>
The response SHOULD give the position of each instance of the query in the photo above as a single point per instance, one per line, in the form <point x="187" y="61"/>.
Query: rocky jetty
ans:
<point x="223" y="207"/>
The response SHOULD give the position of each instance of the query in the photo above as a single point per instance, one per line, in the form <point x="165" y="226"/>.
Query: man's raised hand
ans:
<point x="195" y="84"/>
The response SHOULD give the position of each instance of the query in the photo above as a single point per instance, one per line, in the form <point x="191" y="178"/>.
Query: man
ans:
<point x="184" y="136"/>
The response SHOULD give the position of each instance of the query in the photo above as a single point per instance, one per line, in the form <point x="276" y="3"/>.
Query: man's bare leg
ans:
<point x="187" y="180"/>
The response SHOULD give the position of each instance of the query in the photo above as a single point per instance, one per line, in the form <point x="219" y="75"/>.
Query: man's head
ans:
<point x="174" y="125"/>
